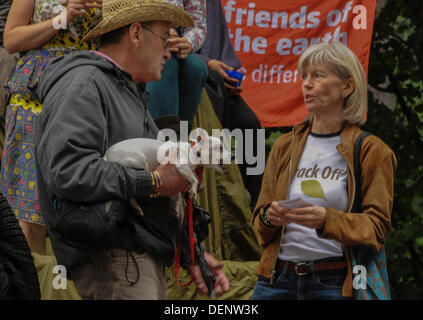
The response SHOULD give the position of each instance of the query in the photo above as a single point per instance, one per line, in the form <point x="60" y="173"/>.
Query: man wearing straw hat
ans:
<point x="93" y="100"/>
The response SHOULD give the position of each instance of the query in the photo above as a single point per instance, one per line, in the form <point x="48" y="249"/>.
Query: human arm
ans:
<point x="221" y="68"/>
<point x="20" y="35"/>
<point x="193" y="38"/>
<point x="371" y="226"/>
<point x="266" y="233"/>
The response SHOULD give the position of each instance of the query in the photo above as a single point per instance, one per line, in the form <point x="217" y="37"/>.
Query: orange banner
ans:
<point x="270" y="35"/>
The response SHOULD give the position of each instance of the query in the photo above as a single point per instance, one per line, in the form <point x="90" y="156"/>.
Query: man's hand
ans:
<point x="222" y="283"/>
<point x="221" y="68"/>
<point x="180" y="46"/>
<point x="173" y="182"/>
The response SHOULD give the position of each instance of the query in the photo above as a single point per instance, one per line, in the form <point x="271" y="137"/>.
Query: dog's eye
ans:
<point x="199" y="154"/>
<point x="199" y="139"/>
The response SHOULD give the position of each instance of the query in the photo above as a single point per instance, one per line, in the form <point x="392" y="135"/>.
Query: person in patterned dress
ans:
<point x="40" y="30"/>
<point x="177" y="94"/>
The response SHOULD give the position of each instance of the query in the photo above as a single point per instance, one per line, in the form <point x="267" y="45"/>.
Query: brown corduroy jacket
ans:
<point x="369" y="228"/>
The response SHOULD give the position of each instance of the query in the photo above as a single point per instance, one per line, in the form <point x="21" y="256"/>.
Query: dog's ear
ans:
<point x="198" y="135"/>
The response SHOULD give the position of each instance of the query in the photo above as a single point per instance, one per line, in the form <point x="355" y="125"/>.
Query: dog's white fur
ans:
<point x="147" y="154"/>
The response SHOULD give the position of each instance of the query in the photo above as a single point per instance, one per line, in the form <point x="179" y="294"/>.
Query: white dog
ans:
<point x="147" y="154"/>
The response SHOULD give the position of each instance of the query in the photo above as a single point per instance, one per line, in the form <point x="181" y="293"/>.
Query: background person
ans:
<point x="233" y="112"/>
<point x="306" y="250"/>
<point x="177" y="94"/>
<point x="18" y="276"/>
<point x="30" y="30"/>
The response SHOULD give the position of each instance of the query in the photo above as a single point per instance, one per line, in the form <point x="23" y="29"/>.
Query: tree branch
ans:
<point x="382" y="89"/>
<point x="394" y="84"/>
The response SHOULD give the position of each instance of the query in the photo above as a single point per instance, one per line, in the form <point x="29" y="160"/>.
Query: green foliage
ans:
<point x="396" y="67"/>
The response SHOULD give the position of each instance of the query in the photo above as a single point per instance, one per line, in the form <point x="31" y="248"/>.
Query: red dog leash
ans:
<point x="189" y="209"/>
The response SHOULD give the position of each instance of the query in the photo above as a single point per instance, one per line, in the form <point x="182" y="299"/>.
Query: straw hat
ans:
<point x="120" y="13"/>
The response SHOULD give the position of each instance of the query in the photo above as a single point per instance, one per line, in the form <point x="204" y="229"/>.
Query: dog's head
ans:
<point x="210" y="151"/>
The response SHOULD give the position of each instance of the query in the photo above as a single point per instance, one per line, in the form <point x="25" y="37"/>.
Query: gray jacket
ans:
<point x="88" y="105"/>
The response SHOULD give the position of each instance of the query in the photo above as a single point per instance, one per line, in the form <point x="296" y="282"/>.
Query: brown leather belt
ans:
<point x="305" y="268"/>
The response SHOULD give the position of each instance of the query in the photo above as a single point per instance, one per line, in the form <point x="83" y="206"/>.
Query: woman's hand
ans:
<point x="221" y="68"/>
<point x="276" y="215"/>
<point x="79" y="8"/>
<point x="312" y="217"/>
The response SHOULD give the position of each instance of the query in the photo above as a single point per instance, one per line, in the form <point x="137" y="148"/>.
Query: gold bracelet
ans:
<point x="155" y="183"/>
<point x="159" y="178"/>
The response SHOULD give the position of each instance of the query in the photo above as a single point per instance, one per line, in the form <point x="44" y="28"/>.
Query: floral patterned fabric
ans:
<point x="18" y="172"/>
<point x="197" y="10"/>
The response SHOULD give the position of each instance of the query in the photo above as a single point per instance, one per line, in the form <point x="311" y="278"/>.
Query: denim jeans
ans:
<point x="323" y="285"/>
<point x="178" y="92"/>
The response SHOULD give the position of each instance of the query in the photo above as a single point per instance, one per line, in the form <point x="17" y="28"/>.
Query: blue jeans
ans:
<point x="178" y="92"/>
<point x="323" y="285"/>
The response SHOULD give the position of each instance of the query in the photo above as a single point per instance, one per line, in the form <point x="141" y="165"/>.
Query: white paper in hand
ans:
<point x="294" y="203"/>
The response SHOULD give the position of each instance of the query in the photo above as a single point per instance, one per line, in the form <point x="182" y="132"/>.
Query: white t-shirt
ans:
<point x="321" y="179"/>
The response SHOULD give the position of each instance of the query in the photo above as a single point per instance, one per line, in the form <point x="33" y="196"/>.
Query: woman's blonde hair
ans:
<point x="345" y="64"/>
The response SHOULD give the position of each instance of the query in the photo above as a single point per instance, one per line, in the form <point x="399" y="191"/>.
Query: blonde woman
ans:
<point x="40" y="30"/>
<point x="306" y="252"/>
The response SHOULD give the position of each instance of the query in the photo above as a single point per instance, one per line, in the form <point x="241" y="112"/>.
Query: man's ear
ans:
<point x="136" y="35"/>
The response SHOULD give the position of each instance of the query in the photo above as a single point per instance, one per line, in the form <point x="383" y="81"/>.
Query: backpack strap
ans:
<point x="357" y="171"/>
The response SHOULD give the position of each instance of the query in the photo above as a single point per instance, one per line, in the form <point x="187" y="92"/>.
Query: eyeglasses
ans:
<point x="165" y="41"/>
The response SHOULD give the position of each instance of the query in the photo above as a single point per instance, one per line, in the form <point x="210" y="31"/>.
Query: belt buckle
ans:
<point x="300" y="269"/>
